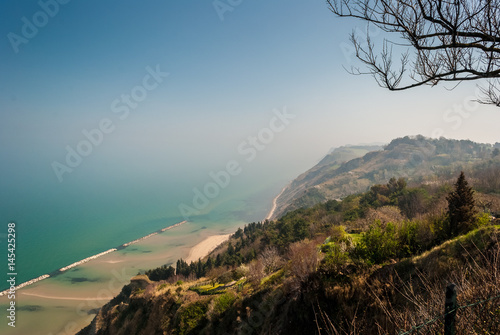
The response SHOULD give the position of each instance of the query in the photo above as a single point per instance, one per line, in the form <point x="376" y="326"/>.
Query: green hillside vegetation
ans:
<point x="417" y="159"/>
<point x="301" y="189"/>
<point x="374" y="262"/>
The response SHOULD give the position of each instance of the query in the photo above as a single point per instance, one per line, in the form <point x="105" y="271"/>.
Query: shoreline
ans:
<point x="275" y="200"/>
<point x="200" y="250"/>
<point x="70" y="298"/>
<point x="85" y="260"/>
<point x="66" y="298"/>
<point x="205" y="247"/>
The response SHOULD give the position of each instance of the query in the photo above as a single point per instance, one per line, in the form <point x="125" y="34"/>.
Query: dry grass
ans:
<point x="397" y="301"/>
<point x="476" y="274"/>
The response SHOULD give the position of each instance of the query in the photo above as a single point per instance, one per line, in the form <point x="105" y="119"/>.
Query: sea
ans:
<point x="112" y="198"/>
<point x="57" y="225"/>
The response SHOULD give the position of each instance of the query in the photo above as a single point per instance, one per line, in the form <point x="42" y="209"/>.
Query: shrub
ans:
<point x="138" y="291"/>
<point x="335" y="257"/>
<point x="226" y="277"/>
<point x="379" y="243"/>
<point x="191" y="317"/>
<point x="408" y="239"/>
<point x="238" y="273"/>
<point x="223" y="302"/>
<point x="440" y="227"/>
<point x="339" y="235"/>
<point x="275" y="278"/>
<point x="482" y="220"/>
<point x="214" y="274"/>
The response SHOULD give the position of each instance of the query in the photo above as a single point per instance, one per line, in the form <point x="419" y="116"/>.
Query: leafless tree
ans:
<point x="440" y="40"/>
<point x="304" y="259"/>
<point x="255" y="272"/>
<point x="271" y="259"/>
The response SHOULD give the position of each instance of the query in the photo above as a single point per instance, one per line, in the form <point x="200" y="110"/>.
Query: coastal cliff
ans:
<point x="284" y="304"/>
<point x="354" y="169"/>
<point x="375" y="261"/>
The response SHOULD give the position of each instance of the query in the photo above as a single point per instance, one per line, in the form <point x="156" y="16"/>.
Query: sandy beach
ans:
<point x="205" y="247"/>
<point x="83" y="261"/>
<point x="69" y="299"/>
<point x="273" y="209"/>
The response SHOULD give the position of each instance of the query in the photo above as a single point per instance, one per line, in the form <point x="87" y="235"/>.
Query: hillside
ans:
<point x="395" y="294"/>
<point x="374" y="262"/>
<point x="415" y="158"/>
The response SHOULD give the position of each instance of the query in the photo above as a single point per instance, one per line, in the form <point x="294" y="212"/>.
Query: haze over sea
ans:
<point x="63" y="223"/>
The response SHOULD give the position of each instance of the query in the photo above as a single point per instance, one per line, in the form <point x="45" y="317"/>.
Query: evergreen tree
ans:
<point x="218" y="261"/>
<point x="210" y="264"/>
<point x="230" y="249"/>
<point x="239" y="233"/>
<point x="461" y="207"/>
<point x="199" y="269"/>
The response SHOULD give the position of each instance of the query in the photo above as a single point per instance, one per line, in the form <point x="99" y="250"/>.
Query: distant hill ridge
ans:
<point x="353" y="169"/>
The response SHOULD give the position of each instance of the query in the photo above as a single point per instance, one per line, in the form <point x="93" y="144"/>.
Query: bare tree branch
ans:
<point x="448" y="40"/>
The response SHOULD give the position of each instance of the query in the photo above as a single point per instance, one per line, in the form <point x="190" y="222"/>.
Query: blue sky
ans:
<point x="225" y="78"/>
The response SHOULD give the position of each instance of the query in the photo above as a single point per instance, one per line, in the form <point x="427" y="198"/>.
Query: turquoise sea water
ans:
<point x="57" y="225"/>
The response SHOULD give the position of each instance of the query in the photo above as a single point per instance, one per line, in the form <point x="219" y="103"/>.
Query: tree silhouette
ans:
<point x="451" y="40"/>
<point x="461" y="207"/>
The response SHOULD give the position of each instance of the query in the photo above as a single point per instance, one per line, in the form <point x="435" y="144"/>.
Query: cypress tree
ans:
<point x="210" y="264"/>
<point x="230" y="249"/>
<point x="461" y="207"/>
